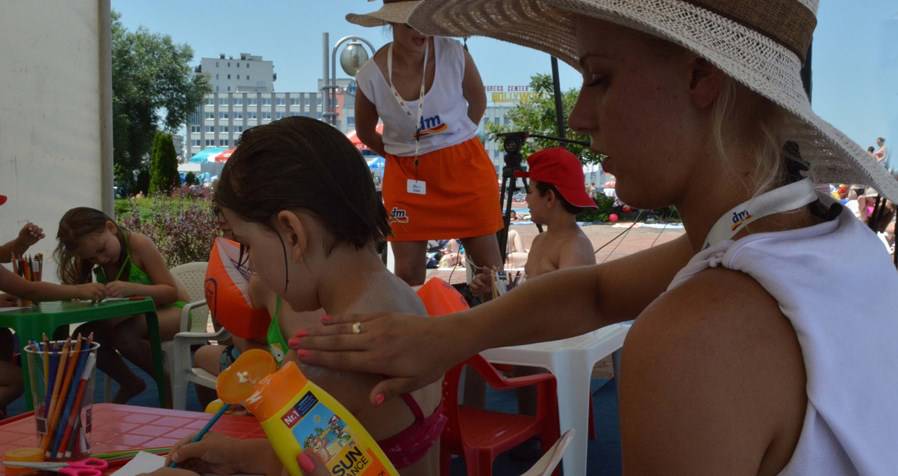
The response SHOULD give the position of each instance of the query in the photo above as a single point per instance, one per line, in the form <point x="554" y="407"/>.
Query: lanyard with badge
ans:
<point x="789" y="197"/>
<point x="414" y="186"/>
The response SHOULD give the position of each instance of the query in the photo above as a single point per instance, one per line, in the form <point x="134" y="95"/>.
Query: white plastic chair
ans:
<point x="194" y="321"/>
<point x="571" y="362"/>
<point x="546" y="465"/>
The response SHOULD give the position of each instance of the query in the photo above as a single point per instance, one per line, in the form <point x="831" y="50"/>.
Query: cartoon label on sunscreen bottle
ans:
<point x="297" y="415"/>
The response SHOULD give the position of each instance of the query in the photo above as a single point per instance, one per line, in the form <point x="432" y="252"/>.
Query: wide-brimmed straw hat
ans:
<point x="393" y="11"/>
<point x="760" y="43"/>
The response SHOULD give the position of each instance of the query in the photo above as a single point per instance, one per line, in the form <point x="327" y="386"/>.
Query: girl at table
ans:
<point x="129" y="264"/>
<point x="311" y="231"/>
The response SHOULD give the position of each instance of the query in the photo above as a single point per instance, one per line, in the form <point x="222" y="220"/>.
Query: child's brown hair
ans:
<point x="303" y="163"/>
<point x="76" y="224"/>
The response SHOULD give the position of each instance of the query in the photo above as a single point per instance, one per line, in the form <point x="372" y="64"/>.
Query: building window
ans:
<point x="229" y="76"/>
<point x="210" y="115"/>
<point x="280" y="101"/>
<point x="229" y="89"/>
<point x="238" y="115"/>
<point x="238" y="101"/>
<point x="224" y="128"/>
<point x="247" y="77"/>
<point x="216" y="76"/>
<point x="251" y="115"/>
<point x="216" y="64"/>
<point x="294" y="101"/>
<point x="223" y="101"/>
<point x="253" y="100"/>
<point x="279" y="115"/>
<point x="194" y="128"/>
<point x="266" y="101"/>
<point x="210" y="142"/>
<point x="210" y="128"/>
<point x="195" y="142"/>
<point x="222" y="115"/>
<point x="266" y="114"/>
<point x="229" y="64"/>
<point x="238" y="128"/>
<point x="222" y="142"/>
<point x="210" y="101"/>
<point x="238" y="76"/>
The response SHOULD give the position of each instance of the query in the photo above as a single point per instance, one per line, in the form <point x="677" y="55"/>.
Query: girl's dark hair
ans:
<point x="545" y="188"/>
<point x="302" y="163"/>
<point x="76" y="224"/>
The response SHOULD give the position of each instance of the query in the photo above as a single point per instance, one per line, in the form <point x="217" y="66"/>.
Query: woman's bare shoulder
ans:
<point x="729" y="369"/>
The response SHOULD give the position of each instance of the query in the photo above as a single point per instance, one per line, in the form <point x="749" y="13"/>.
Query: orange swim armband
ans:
<point x="227" y="293"/>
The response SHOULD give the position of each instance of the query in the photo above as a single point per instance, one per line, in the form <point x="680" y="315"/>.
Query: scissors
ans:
<point x="84" y="467"/>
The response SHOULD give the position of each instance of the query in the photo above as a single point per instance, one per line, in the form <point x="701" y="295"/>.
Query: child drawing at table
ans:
<point x="92" y="245"/>
<point x="13" y="287"/>
<point x="311" y="232"/>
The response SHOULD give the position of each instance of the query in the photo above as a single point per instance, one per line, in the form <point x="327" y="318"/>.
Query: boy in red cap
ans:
<point x="557" y="194"/>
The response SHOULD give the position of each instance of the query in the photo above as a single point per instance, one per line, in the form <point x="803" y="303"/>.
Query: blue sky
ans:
<point x="855" y="59"/>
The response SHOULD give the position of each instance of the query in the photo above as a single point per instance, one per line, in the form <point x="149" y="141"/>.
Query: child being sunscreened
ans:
<point x="92" y="245"/>
<point x="299" y="198"/>
<point x="12" y="287"/>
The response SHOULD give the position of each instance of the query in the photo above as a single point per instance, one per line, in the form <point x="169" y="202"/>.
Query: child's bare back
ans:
<point x="559" y="248"/>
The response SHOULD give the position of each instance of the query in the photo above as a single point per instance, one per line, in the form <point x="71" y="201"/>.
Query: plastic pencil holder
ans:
<point x="62" y="388"/>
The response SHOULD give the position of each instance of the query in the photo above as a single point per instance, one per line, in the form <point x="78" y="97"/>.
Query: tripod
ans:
<point x="512" y="142"/>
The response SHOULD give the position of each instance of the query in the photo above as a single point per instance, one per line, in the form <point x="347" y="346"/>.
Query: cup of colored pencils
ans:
<point x="62" y="388"/>
<point x="30" y="268"/>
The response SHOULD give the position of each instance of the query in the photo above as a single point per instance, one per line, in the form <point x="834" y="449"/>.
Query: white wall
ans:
<point x="51" y="140"/>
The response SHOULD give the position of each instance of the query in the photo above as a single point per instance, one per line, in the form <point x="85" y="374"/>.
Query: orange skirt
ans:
<point x="461" y="200"/>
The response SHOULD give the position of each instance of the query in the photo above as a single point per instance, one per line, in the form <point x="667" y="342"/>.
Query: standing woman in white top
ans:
<point x="438" y="181"/>
<point x="751" y="353"/>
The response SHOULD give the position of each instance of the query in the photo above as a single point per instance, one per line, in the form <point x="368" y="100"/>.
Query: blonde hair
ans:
<point x="742" y="118"/>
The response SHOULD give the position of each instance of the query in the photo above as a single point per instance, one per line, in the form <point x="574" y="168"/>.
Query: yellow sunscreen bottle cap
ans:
<point x="237" y="382"/>
<point x="275" y="391"/>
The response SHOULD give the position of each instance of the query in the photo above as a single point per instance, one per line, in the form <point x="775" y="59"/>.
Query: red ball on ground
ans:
<point x="627" y="208"/>
<point x="613" y="218"/>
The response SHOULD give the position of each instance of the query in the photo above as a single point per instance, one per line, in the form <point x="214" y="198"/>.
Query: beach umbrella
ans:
<point x="205" y="154"/>
<point x="221" y="157"/>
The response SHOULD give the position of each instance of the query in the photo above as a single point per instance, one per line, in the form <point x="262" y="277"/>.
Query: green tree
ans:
<point x="190" y="179"/>
<point x="536" y="114"/>
<point x="153" y="88"/>
<point x="163" y="165"/>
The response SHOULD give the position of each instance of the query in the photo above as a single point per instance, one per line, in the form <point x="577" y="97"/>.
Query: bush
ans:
<point x="163" y="165"/>
<point x="182" y="228"/>
<point x="190" y="179"/>
<point x="606" y="206"/>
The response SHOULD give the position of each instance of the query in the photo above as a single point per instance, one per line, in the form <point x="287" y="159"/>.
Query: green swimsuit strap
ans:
<point x="274" y="335"/>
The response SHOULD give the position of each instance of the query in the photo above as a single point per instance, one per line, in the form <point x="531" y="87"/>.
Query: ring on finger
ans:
<point x="356" y="327"/>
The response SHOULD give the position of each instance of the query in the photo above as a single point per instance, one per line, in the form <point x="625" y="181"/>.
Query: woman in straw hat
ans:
<point x="750" y="354"/>
<point x="438" y="181"/>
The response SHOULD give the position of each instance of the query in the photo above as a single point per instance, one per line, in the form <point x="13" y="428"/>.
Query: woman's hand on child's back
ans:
<point x="120" y="289"/>
<point x="90" y="291"/>
<point x="482" y="283"/>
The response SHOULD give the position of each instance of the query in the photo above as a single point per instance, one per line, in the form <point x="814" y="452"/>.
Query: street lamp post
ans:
<point x="351" y="60"/>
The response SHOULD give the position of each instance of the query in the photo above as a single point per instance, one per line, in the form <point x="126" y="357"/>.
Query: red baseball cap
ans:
<point x="2" y="199"/>
<point x="561" y="168"/>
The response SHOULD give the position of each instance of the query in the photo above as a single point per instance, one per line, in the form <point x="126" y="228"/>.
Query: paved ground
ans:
<point x="638" y="238"/>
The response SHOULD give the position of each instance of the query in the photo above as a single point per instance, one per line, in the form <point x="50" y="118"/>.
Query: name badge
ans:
<point x="417" y="187"/>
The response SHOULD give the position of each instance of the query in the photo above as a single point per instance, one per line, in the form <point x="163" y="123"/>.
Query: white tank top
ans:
<point x="847" y="326"/>
<point x="444" y="121"/>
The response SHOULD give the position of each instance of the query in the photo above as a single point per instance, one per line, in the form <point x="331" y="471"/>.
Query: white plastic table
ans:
<point x="571" y="362"/>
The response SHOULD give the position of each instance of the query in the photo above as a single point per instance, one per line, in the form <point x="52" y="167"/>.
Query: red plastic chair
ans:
<point x="480" y="435"/>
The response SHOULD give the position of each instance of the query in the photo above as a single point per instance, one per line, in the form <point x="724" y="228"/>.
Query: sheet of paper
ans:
<point x="11" y="309"/>
<point x="114" y="299"/>
<point x="142" y="462"/>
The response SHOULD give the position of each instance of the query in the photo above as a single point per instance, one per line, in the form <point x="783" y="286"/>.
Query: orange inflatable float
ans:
<point x="227" y="293"/>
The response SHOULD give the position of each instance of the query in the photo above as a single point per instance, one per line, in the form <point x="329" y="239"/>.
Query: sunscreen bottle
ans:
<point x="296" y="414"/>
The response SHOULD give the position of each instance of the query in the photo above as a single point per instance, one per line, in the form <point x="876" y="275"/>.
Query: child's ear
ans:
<point x="706" y="83"/>
<point x="297" y="234"/>
<point x="111" y="227"/>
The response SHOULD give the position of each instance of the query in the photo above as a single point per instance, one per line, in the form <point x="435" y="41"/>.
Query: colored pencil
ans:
<point x="51" y="378"/>
<point x="54" y="400"/>
<point x="46" y="358"/>
<point x="78" y="369"/>
<point x="73" y="417"/>
<point x="209" y="424"/>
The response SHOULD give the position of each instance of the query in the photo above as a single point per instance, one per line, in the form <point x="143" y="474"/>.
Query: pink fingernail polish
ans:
<point x="325" y="318"/>
<point x="302" y="353"/>
<point x="379" y="399"/>
<point x="300" y="333"/>
<point x="293" y="342"/>
<point x="305" y="463"/>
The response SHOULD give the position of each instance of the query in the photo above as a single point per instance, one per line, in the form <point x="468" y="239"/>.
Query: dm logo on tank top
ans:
<point x="740" y="217"/>
<point x="398" y="215"/>
<point x="430" y="126"/>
